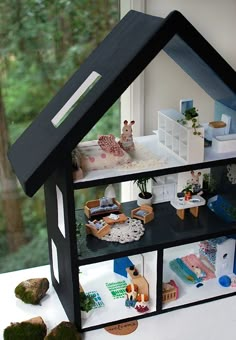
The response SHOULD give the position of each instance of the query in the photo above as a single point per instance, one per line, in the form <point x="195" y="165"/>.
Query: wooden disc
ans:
<point x="123" y="328"/>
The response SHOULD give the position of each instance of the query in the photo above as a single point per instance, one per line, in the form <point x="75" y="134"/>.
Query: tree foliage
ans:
<point x="43" y="42"/>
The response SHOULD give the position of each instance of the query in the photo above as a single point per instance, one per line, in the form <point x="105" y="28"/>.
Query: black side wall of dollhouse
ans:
<point x="64" y="264"/>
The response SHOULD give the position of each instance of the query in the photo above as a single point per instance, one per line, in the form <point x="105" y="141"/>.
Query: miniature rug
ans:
<point x="97" y="299"/>
<point x="193" y="260"/>
<point x="117" y="289"/>
<point x="126" y="232"/>
<point x="183" y="271"/>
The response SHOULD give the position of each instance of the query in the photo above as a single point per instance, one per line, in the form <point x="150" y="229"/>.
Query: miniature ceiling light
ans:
<point x="78" y="95"/>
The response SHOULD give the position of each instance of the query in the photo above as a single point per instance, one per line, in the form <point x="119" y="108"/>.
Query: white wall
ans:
<point x="164" y="81"/>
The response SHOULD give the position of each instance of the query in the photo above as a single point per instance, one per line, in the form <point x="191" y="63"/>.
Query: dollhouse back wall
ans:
<point x="215" y="20"/>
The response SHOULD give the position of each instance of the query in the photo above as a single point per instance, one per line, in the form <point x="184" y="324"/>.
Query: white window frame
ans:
<point x="132" y="100"/>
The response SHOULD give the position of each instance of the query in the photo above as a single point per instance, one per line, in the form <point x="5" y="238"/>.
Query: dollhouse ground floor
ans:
<point x="211" y="321"/>
<point x="109" y="288"/>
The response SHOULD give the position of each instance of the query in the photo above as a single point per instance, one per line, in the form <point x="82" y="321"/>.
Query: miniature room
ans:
<point x="201" y="270"/>
<point x="119" y="288"/>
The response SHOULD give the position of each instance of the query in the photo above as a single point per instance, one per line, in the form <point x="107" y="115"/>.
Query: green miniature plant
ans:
<point x="142" y="185"/>
<point x="209" y="183"/>
<point x="86" y="302"/>
<point x="191" y="115"/>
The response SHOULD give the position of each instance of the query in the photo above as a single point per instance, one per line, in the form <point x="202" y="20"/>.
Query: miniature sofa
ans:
<point x="98" y="207"/>
<point x="225" y="143"/>
<point x="143" y="213"/>
<point x="97" y="228"/>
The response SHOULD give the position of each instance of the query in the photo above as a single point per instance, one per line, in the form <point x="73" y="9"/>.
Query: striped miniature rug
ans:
<point x="183" y="267"/>
<point x="193" y="260"/>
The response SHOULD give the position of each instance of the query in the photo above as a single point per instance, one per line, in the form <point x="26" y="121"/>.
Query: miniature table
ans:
<point x="121" y="219"/>
<point x="209" y="315"/>
<point x="193" y="205"/>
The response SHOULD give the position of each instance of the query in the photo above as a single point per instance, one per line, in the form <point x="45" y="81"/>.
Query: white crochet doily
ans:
<point x="231" y="173"/>
<point x="129" y="231"/>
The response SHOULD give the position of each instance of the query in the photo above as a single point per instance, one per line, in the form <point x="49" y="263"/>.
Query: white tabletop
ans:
<point x="195" y="201"/>
<point x="210" y="321"/>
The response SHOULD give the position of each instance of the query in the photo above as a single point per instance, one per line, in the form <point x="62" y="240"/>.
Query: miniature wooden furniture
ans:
<point x="139" y="280"/>
<point x="179" y="139"/>
<point x="170" y="291"/>
<point x="99" y="233"/>
<point x="93" y="208"/>
<point x="121" y="219"/>
<point x="193" y="205"/>
<point x="144" y="213"/>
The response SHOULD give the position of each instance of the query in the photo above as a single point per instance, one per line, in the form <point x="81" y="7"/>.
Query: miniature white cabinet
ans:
<point x="164" y="189"/>
<point x="179" y="139"/>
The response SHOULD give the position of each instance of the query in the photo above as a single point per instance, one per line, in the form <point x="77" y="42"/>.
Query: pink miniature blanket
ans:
<point x="194" y="263"/>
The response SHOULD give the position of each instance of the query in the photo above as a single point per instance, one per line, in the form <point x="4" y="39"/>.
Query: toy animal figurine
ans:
<point x="126" y="139"/>
<point x="131" y="295"/>
<point x="199" y="272"/>
<point x="195" y="182"/>
<point x="142" y="303"/>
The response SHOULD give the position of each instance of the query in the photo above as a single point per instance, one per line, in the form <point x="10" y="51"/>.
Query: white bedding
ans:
<point x="92" y="157"/>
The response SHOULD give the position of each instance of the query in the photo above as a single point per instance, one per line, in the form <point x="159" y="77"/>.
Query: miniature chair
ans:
<point x="143" y="213"/>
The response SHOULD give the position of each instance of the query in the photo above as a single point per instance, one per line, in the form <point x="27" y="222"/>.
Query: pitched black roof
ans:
<point x="119" y="59"/>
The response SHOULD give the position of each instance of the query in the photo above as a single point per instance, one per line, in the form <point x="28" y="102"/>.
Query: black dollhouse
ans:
<point x="42" y="155"/>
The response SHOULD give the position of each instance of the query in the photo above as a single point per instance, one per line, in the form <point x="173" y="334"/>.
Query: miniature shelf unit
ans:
<point x="179" y="139"/>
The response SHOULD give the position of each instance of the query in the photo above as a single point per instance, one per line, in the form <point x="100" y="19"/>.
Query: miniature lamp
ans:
<point x="110" y="191"/>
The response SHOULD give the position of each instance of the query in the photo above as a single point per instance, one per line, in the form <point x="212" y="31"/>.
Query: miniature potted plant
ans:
<point x="144" y="196"/>
<point x="188" y="192"/>
<point x="191" y="120"/>
<point x="86" y="304"/>
<point x="209" y="184"/>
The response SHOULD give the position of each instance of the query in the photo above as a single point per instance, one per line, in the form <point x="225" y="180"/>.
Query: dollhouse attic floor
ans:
<point x="162" y="159"/>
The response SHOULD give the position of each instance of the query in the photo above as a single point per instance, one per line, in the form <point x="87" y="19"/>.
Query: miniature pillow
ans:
<point x="93" y="157"/>
<point x="105" y="201"/>
<point x="141" y="213"/>
<point x="108" y="144"/>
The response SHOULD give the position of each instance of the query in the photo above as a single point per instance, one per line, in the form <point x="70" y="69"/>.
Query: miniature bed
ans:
<point x="92" y="156"/>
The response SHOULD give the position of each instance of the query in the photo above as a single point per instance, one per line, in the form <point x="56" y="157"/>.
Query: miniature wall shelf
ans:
<point x="178" y="138"/>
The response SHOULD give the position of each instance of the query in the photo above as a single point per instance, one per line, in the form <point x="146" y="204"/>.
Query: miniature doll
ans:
<point x="126" y="139"/>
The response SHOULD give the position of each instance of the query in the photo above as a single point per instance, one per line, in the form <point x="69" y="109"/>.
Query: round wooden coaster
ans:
<point x="123" y="328"/>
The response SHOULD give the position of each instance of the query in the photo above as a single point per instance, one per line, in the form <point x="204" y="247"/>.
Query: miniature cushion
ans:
<point x="141" y="213"/>
<point x="105" y="201"/>
<point x="99" y="209"/>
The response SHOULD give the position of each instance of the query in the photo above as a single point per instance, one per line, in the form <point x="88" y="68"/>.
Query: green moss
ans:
<point x="65" y="330"/>
<point x="24" y="331"/>
<point x="24" y="295"/>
